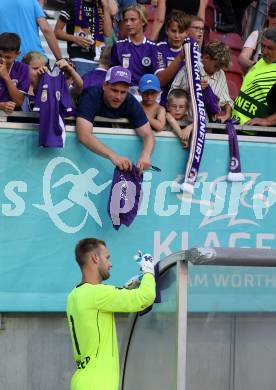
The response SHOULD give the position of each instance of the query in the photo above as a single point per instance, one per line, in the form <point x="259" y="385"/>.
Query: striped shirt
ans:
<point x="217" y="82"/>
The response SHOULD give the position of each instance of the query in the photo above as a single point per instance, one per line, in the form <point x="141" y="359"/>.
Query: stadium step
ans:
<point x="62" y="44"/>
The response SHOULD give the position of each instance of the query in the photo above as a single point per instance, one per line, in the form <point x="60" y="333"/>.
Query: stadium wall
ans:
<point x="42" y="219"/>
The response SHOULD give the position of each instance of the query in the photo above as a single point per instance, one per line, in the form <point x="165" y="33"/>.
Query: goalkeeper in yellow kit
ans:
<point x="90" y="312"/>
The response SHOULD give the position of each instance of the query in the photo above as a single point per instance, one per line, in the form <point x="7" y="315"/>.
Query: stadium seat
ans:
<point x="234" y="77"/>
<point x="231" y="39"/>
<point x="234" y="82"/>
<point x="235" y="66"/>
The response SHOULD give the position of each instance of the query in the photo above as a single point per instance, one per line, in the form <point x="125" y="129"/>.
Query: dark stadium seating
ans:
<point x="234" y="77"/>
<point x="231" y="39"/>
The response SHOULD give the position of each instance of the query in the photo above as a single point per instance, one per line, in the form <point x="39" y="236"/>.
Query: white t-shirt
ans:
<point x="252" y="43"/>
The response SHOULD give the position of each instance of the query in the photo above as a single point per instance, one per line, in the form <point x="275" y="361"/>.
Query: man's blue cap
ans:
<point x="149" y="82"/>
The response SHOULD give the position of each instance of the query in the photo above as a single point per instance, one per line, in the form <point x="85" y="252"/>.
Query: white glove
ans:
<point x="147" y="264"/>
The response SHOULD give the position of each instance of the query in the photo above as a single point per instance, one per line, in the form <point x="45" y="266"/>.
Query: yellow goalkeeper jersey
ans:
<point x="90" y="313"/>
<point x="251" y="101"/>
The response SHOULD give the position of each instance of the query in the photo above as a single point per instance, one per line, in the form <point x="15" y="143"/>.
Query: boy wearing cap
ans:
<point x="149" y="89"/>
<point x="114" y="101"/>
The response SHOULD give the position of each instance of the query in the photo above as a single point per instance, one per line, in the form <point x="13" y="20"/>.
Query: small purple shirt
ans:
<point x="125" y="196"/>
<point x="139" y="59"/>
<point x="53" y="101"/>
<point x="94" y="78"/>
<point x="19" y="74"/>
<point x="169" y="55"/>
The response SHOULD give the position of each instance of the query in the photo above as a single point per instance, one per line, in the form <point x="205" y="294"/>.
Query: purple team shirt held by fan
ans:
<point x="19" y="74"/>
<point x="138" y="59"/>
<point x="53" y="101"/>
<point x="125" y="196"/>
<point x="169" y="55"/>
<point x="94" y="78"/>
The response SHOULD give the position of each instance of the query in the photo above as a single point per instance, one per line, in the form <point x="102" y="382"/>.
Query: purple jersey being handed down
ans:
<point x="53" y="100"/>
<point x="94" y="78"/>
<point x="169" y="54"/>
<point x="19" y="74"/>
<point x="139" y="59"/>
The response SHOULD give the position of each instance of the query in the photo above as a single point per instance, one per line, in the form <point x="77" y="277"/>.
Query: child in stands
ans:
<point x="196" y="29"/>
<point x="176" y="27"/>
<point x="37" y="66"/>
<point x="177" y="111"/>
<point x="136" y="53"/>
<point x="35" y="61"/>
<point x="73" y="79"/>
<point x="216" y="56"/>
<point x="14" y="75"/>
<point x="149" y="88"/>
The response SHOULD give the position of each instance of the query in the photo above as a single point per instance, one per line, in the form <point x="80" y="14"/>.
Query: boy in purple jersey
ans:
<point x="176" y="29"/>
<point x="140" y="55"/>
<point x="136" y="53"/>
<point x="96" y="76"/>
<point x="14" y="76"/>
<point x="53" y="101"/>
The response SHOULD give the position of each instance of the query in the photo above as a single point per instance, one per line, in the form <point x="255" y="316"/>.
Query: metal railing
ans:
<point x="244" y="257"/>
<point x="33" y="117"/>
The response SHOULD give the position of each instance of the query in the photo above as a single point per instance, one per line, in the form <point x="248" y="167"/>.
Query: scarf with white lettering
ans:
<point x="192" y="58"/>
<point x="81" y="20"/>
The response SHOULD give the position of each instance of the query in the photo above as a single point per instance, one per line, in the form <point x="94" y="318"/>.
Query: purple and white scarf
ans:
<point x="210" y="101"/>
<point x="96" y="27"/>
<point x="235" y="173"/>
<point x="200" y="101"/>
<point x="192" y="58"/>
<point x="212" y="108"/>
